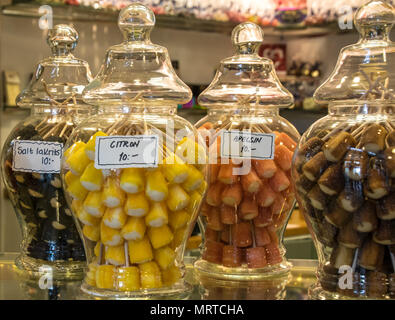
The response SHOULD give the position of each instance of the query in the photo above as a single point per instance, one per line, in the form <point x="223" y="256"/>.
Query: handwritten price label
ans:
<point x="116" y="152"/>
<point x="37" y="156"/>
<point x="247" y="145"/>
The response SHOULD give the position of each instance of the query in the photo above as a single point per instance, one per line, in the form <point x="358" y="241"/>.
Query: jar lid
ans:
<point x="365" y="71"/>
<point x="246" y="78"/>
<point x="60" y="78"/>
<point x="137" y="70"/>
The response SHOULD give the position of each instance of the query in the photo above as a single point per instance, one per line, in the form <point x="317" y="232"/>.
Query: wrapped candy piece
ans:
<point x="178" y="237"/>
<point x="377" y="284"/>
<point x="318" y="199"/>
<point x="283" y="139"/>
<point x="304" y="185"/>
<point x="251" y="182"/>
<point x="195" y="179"/>
<point x="273" y="255"/>
<point x="248" y="208"/>
<point x="87" y="218"/>
<point x="171" y="275"/>
<point x="140" y="251"/>
<point x="264" y="217"/>
<point x="355" y="164"/>
<point x="337" y="146"/>
<point x="386" y="208"/>
<point x="156" y="186"/>
<point x="110" y="236"/>
<point x="194" y="202"/>
<point x="127" y="278"/>
<point x="178" y="199"/>
<point x="93" y="204"/>
<point x="279" y="182"/>
<point x="190" y="151"/>
<point x="91" y="232"/>
<point x="157" y="216"/>
<point x="352" y="197"/>
<point x="112" y="195"/>
<point x="232" y="195"/>
<point x="97" y="248"/>
<point x="265" y="169"/>
<point x="134" y="229"/>
<point x="92" y="178"/>
<point x="132" y="180"/>
<point x="385" y="233"/>
<point x="232" y="256"/>
<point x="91" y="145"/>
<point x="164" y="257"/>
<point x="78" y="161"/>
<point x="90" y="277"/>
<point x="69" y="177"/>
<point x="365" y="219"/>
<point x="105" y="276"/>
<point x="332" y="180"/>
<point x="214" y="220"/>
<point x="214" y="193"/>
<point x="348" y="237"/>
<point x="77" y="145"/>
<point x="283" y="157"/>
<point x="225" y="174"/>
<point x="115" y="218"/>
<point x="211" y="234"/>
<point x="160" y="236"/>
<point x="378" y="184"/>
<point x="178" y="219"/>
<point x="136" y="205"/>
<point x="266" y="195"/>
<point x="150" y="275"/>
<point x="241" y="234"/>
<point x="372" y="255"/>
<point x="262" y="236"/>
<point x="389" y="155"/>
<point x="213" y="251"/>
<point x="373" y="138"/>
<point x="115" y="255"/>
<point x="228" y="215"/>
<point x="175" y="169"/>
<point x="256" y="257"/>
<point x="76" y="190"/>
<point x="336" y="215"/>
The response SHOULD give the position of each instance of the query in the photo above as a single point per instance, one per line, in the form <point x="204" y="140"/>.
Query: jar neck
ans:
<point x="149" y="110"/>
<point x="248" y="111"/>
<point x="367" y="109"/>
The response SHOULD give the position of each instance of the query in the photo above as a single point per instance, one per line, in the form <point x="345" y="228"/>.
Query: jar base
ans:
<point x="316" y="292"/>
<point x="61" y="270"/>
<point x="217" y="271"/>
<point x="179" y="291"/>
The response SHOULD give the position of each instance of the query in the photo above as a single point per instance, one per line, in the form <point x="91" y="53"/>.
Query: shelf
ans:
<point x="68" y="13"/>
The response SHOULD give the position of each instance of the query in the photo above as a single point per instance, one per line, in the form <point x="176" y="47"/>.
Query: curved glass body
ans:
<point x="249" y="200"/>
<point x="49" y="235"/>
<point x="344" y="178"/>
<point x="135" y="222"/>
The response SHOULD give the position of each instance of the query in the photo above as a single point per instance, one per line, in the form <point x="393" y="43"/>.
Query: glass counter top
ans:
<point x="14" y="286"/>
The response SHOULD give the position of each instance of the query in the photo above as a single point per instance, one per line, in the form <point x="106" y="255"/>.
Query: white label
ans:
<point x="116" y="152"/>
<point x="37" y="156"/>
<point x="247" y="145"/>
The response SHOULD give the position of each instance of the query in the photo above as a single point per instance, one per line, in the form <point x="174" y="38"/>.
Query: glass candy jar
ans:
<point x="31" y="160"/>
<point x="134" y="173"/>
<point x="343" y="168"/>
<point x="250" y="196"/>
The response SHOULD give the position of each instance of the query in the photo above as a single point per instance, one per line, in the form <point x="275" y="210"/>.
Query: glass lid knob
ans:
<point x="62" y="39"/>
<point x="247" y="37"/>
<point x="136" y="22"/>
<point x="375" y="19"/>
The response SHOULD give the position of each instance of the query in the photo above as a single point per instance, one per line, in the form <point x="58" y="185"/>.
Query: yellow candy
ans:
<point x="115" y="255"/>
<point x="191" y="152"/>
<point x="78" y="161"/>
<point x="194" y="180"/>
<point x="171" y="275"/>
<point x="73" y="149"/>
<point x="156" y="187"/>
<point x="91" y="145"/>
<point x="150" y="275"/>
<point x="178" y="219"/>
<point x="76" y="190"/>
<point x="140" y="251"/>
<point x="136" y="205"/>
<point x="164" y="257"/>
<point x="157" y="216"/>
<point x="76" y="205"/>
<point x="112" y="196"/>
<point x="110" y="236"/>
<point x="194" y="202"/>
<point x="96" y="250"/>
<point x="87" y="219"/>
<point x="132" y="180"/>
<point x="128" y="278"/>
<point x="90" y="277"/>
<point x="202" y="189"/>
<point x="105" y="276"/>
<point x="178" y="199"/>
<point x="93" y="204"/>
<point x="179" y="235"/>
<point x="115" y="218"/>
<point x="174" y="169"/>
<point x="134" y="229"/>
<point x="160" y="237"/>
<point x="91" y="232"/>
<point x="69" y="177"/>
<point x="92" y="178"/>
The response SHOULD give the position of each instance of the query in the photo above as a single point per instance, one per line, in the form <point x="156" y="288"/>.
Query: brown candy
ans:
<point x="376" y="284"/>
<point x="211" y="234"/>
<point x="378" y="186"/>
<point x="264" y="217"/>
<point x="314" y="168"/>
<point x="256" y="257"/>
<point x="336" y="215"/>
<point x="308" y="150"/>
<point x="318" y="199"/>
<point x="390" y="139"/>
<point x="355" y="164"/>
<point x="342" y="256"/>
<point x="304" y="185"/>
<point x="389" y="155"/>
<point x="248" y="208"/>
<point x="262" y="237"/>
<point x="213" y="252"/>
<point x="232" y="256"/>
<point x="241" y="234"/>
<point x="364" y="219"/>
<point x="372" y="255"/>
<point x="332" y="180"/>
<point x="385" y="233"/>
<point x="273" y="254"/>
<point x="373" y="138"/>
<point x="386" y="208"/>
<point x="214" y="220"/>
<point x="352" y="197"/>
<point x="336" y="147"/>
<point x="348" y="237"/>
<point x="228" y="215"/>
